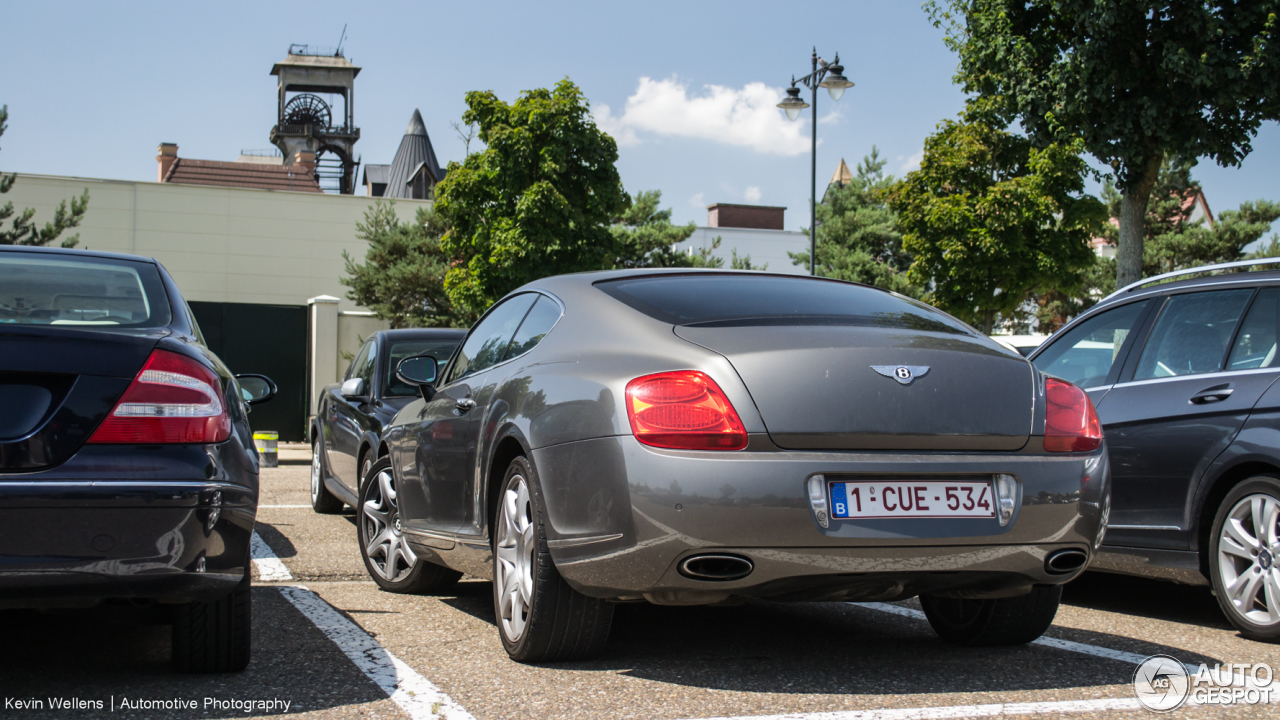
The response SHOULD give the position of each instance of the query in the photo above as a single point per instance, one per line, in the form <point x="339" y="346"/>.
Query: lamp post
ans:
<point x="830" y="76"/>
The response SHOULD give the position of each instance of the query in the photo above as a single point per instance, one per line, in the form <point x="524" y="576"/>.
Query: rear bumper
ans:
<point x="69" y="541"/>
<point x="624" y="516"/>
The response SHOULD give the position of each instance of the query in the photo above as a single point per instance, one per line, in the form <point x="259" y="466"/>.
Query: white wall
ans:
<point x="764" y="246"/>
<point x="220" y="244"/>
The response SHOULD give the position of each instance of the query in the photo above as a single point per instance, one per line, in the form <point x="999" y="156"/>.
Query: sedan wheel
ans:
<point x="322" y="501"/>
<point x="391" y="562"/>
<point x="513" y="570"/>
<point x="1244" y="558"/>
<point x="540" y="618"/>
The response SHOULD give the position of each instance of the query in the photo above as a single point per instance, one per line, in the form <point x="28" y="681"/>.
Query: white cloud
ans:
<point x="746" y="117"/>
<point x="911" y="163"/>
<point x="698" y="202"/>
<point x="830" y="118"/>
<point x="752" y="195"/>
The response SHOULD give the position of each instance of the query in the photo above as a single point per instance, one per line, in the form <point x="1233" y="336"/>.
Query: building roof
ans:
<point x="415" y="149"/>
<point x="842" y="175"/>
<point x="241" y="175"/>
<point x="376" y="174"/>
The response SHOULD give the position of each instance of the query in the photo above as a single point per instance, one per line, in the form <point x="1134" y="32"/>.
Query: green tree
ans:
<point x="402" y="277"/>
<point x="858" y="235"/>
<point x="1270" y="250"/>
<point x="1134" y="80"/>
<point x="1173" y="241"/>
<point x="990" y="218"/>
<point x="644" y="235"/>
<point x="537" y="201"/>
<point x="25" y="232"/>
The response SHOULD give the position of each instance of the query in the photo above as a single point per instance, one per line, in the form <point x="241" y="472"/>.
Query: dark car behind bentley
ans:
<point x="127" y="469"/>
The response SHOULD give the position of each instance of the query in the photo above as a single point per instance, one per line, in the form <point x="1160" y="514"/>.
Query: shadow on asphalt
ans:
<point x="1144" y="597"/>
<point x="276" y="540"/>
<point x="124" y="652"/>
<point x="822" y="648"/>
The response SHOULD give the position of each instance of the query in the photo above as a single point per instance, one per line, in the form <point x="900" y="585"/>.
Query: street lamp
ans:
<point x="830" y="76"/>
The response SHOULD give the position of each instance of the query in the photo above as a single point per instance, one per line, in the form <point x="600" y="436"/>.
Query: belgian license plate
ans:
<point x="912" y="499"/>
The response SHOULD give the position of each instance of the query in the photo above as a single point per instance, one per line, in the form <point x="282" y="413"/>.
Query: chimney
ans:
<point x="167" y="157"/>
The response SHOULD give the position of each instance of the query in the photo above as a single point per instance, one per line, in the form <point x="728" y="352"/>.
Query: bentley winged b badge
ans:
<point x="904" y="374"/>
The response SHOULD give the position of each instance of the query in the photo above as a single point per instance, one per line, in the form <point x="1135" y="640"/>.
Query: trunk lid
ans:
<point x="58" y="383"/>
<point x="816" y="387"/>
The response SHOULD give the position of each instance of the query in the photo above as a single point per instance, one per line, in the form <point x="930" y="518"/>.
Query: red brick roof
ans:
<point x="242" y="175"/>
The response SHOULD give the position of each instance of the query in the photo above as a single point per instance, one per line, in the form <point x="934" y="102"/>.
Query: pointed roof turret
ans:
<point x="842" y="175"/>
<point x="415" y="151"/>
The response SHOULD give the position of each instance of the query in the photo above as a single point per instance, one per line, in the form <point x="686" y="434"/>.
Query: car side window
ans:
<point x="1087" y="352"/>
<point x="1192" y="334"/>
<point x="541" y="318"/>
<point x="365" y="371"/>
<point x="1255" y="346"/>
<point x="487" y="343"/>
<point x="359" y="362"/>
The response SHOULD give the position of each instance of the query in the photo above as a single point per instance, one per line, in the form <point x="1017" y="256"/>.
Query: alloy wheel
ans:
<point x="1248" y="550"/>
<point x="386" y="548"/>
<point x="315" y="472"/>
<point x="517" y="542"/>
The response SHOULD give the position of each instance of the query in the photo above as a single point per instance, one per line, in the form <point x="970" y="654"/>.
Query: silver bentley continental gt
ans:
<point x="691" y="438"/>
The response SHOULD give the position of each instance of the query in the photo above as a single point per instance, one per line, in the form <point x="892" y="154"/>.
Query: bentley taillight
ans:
<point x="1070" y="423"/>
<point x="174" y="399"/>
<point x="683" y="410"/>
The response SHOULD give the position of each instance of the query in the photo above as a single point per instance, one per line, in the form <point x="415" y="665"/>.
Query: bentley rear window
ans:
<point x="39" y="289"/>
<point x="726" y="300"/>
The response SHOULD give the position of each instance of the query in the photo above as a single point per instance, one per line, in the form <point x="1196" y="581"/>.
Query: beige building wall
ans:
<point x="220" y="244"/>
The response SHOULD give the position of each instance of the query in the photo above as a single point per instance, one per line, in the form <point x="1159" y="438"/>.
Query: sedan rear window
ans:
<point x="38" y="289"/>
<point x="727" y="300"/>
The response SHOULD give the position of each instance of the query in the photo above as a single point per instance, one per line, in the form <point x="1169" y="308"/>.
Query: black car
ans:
<point x="1183" y="374"/>
<point x="127" y="468"/>
<point x="346" y="431"/>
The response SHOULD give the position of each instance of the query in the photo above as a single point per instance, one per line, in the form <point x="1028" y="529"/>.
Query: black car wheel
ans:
<point x="391" y="562"/>
<point x="1243" y="553"/>
<point x="322" y="501"/>
<point x="1002" y="621"/>
<point x="540" y="618"/>
<point x="211" y="637"/>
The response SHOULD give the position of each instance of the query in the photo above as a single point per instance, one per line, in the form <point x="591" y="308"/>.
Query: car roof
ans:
<point x="1262" y="277"/>
<point x="587" y="279"/>
<point x="76" y="252"/>
<point x="422" y="333"/>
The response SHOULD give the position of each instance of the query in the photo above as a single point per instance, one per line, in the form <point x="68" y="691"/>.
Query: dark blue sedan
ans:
<point x="127" y="468"/>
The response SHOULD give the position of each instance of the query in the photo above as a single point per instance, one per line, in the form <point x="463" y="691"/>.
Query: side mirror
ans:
<point x="353" y="388"/>
<point x="255" y="389"/>
<point x="418" y="370"/>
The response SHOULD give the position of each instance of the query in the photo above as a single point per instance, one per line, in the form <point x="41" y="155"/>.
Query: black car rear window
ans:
<point x="56" y="289"/>
<point x="727" y="300"/>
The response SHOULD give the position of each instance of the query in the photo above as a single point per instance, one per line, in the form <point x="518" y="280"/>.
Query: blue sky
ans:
<point x="92" y="88"/>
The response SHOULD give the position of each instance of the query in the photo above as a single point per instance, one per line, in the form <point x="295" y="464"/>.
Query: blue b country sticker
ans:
<point x="839" y="503"/>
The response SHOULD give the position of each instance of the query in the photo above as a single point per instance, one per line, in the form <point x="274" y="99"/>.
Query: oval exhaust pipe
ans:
<point x="1065" y="561"/>
<point x="716" y="567"/>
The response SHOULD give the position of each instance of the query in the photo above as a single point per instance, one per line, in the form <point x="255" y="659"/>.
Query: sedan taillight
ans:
<point x="1070" y="423"/>
<point x="683" y="410"/>
<point x="174" y="399"/>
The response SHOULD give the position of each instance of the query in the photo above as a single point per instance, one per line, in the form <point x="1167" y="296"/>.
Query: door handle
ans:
<point x="464" y="404"/>
<point x="1217" y="393"/>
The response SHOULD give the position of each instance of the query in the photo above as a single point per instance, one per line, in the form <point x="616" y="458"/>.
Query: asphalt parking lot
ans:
<point x="330" y="644"/>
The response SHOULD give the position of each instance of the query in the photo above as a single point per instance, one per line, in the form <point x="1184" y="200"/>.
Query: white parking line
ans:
<point x="283" y="506"/>
<point x="406" y="688"/>
<point x="270" y="567"/>
<point x="959" y="711"/>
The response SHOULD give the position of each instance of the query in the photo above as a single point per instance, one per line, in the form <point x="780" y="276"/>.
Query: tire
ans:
<point x="1243" y="553"/>
<point x="322" y="501"/>
<point x="1003" y="621"/>
<point x="390" y="561"/>
<point x="540" y="618"/>
<point x="214" y="637"/>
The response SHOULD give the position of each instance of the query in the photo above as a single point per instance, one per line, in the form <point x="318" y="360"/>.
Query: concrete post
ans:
<point x="324" y="347"/>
